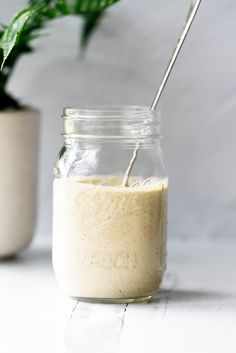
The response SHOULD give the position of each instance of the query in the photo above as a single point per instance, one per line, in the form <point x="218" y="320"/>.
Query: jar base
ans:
<point x="115" y="300"/>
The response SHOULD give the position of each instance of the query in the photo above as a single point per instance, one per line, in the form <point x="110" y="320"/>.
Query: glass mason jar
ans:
<point x="109" y="205"/>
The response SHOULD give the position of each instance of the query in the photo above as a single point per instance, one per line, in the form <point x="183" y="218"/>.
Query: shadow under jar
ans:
<point x="109" y="237"/>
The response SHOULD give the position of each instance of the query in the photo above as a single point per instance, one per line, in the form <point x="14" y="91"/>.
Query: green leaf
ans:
<point x="90" y="6"/>
<point x="16" y="38"/>
<point x="62" y="6"/>
<point x="91" y="22"/>
<point x="50" y="9"/>
<point x="12" y="33"/>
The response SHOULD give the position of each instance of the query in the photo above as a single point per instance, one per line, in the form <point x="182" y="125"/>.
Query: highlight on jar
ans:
<point x="110" y="204"/>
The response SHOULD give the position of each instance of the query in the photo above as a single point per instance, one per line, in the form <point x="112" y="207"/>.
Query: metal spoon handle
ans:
<point x="192" y="13"/>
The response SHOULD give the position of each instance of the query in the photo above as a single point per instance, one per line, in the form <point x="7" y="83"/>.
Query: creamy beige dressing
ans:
<point x="108" y="240"/>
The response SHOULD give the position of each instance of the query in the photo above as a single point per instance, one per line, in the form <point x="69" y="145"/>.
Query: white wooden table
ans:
<point x="195" y="311"/>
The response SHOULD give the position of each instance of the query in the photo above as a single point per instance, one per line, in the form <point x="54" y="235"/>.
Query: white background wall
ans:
<point x="124" y="64"/>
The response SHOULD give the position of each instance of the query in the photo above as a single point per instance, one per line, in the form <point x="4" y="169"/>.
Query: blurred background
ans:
<point x="123" y="64"/>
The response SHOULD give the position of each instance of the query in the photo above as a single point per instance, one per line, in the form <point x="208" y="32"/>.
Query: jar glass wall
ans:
<point x="109" y="231"/>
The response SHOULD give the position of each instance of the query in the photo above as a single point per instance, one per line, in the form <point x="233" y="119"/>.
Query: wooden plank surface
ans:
<point x="195" y="311"/>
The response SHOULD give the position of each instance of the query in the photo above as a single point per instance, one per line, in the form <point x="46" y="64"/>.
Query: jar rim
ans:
<point x="111" y="112"/>
<point x="111" y="121"/>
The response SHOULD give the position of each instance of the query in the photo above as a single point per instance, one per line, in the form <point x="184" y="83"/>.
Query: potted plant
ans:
<point x="19" y="124"/>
